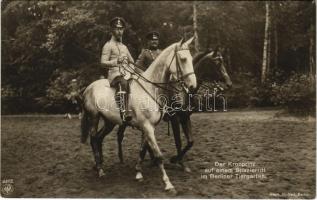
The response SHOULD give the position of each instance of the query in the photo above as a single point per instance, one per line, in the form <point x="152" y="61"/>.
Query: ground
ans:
<point x="43" y="157"/>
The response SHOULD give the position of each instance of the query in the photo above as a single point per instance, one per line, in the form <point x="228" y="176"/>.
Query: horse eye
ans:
<point x="182" y="57"/>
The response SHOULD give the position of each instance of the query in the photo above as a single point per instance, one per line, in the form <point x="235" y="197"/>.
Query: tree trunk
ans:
<point x="265" y="46"/>
<point x="273" y="38"/>
<point x="228" y="55"/>
<point x="311" y="54"/>
<point x="275" y="46"/>
<point x="268" y="68"/>
<point x="195" y="26"/>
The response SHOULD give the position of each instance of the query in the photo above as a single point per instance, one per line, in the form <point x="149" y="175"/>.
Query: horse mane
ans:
<point x="159" y="58"/>
<point x="202" y="60"/>
<point x="200" y="55"/>
<point x="167" y="49"/>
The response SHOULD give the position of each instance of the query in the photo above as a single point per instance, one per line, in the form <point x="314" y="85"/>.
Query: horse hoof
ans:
<point x="174" y="159"/>
<point x="101" y="173"/>
<point x="187" y="170"/>
<point x="172" y="191"/>
<point x="139" y="177"/>
<point x="140" y="180"/>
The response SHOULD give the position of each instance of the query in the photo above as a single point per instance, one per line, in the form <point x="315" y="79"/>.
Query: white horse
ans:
<point x="99" y="101"/>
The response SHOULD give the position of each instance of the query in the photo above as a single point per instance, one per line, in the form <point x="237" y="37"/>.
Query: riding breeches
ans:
<point x="120" y="82"/>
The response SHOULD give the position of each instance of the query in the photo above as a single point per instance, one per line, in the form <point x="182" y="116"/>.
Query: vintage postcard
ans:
<point x="158" y="99"/>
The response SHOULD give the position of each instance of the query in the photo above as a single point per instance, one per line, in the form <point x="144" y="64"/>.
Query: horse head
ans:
<point x="212" y="67"/>
<point x="181" y="68"/>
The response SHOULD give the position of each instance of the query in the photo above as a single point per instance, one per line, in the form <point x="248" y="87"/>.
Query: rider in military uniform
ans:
<point x="149" y="54"/>
<point x="114" y="53"/>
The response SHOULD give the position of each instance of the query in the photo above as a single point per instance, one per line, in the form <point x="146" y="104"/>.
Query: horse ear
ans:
<point x="216" y="51"/>
<point x="182" y="41"/>
<point x="188" y="42"/>
<point x="211" y="54"/>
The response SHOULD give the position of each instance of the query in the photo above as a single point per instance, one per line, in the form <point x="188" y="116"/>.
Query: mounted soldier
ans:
<point x="174" y="61"/>
<point x="149" y="54"/>
<point x="116" y="57"/>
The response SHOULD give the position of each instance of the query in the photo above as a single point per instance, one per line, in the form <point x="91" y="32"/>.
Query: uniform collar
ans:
<point x="113" y="39"/>
<point x="153" y="49"/>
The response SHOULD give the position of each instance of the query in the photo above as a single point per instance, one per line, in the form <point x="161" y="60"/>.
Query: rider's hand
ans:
<point x="134" y="76"/>
<point x="121" y="59"/>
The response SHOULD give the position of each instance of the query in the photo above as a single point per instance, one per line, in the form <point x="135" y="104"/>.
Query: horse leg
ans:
<point x="150" y="137"/>
<point x="96" y="143"/>
<point x="187" y="129"/>
<point x="120" y="135"/>
<point x="138" y="166"/>
<point x="146" y="148"/>
<point x="177" y="138"/>
<point x="107" y="128"/>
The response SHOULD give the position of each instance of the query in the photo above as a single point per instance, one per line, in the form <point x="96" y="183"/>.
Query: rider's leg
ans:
<point x="121" y="86"/>
<point x="124" y="84"/>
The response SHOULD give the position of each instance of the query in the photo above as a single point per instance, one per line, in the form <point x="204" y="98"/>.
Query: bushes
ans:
<point x="297" y="94"/>
<point x="18" y="105"/>
<point x="62" y="93"/>
<point x="242" y="93"/>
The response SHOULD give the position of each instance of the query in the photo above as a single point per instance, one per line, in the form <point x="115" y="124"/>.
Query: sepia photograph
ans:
<point x="158" y="99"/>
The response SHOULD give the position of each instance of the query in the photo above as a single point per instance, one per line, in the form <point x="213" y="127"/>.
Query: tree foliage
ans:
<point x="42" y="37"/>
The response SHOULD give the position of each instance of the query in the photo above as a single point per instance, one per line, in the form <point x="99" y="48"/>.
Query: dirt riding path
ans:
<point x="44" y="158"/>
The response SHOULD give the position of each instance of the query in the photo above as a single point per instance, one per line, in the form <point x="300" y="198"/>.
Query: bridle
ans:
<point x="217" y="58"/>
<point x="180" y="76"/>
<point x="219" y="63"/>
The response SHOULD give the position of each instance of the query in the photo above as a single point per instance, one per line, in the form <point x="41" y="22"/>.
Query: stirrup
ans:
<point x="126" y="118"/>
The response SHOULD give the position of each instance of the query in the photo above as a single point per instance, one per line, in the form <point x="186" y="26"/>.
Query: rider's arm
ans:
<point x="105" y="57"/>
<point x="129" y="56"/>
<point x="140" y="60"/>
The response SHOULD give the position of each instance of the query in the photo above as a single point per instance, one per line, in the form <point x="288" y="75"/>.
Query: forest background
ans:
<point x="269" y="47"/>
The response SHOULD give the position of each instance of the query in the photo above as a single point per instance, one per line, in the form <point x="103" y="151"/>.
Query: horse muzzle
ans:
<point x="190" y="83"/>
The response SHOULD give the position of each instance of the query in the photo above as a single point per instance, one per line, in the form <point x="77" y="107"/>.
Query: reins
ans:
<point x="179" y="79"/>
<point x="157" y="84"/>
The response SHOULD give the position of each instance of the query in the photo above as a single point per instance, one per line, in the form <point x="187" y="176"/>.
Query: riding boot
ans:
<point x="128" y="113"/>
<point x="120" y="101"/>
<point x="122" y="93"/>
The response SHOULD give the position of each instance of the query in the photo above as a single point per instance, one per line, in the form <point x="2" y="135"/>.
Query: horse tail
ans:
<point x="84" y="126"/>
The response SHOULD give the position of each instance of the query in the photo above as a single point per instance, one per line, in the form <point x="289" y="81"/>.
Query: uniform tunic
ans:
<point x="146" y="58"/>
<point x="110" y="53"/>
